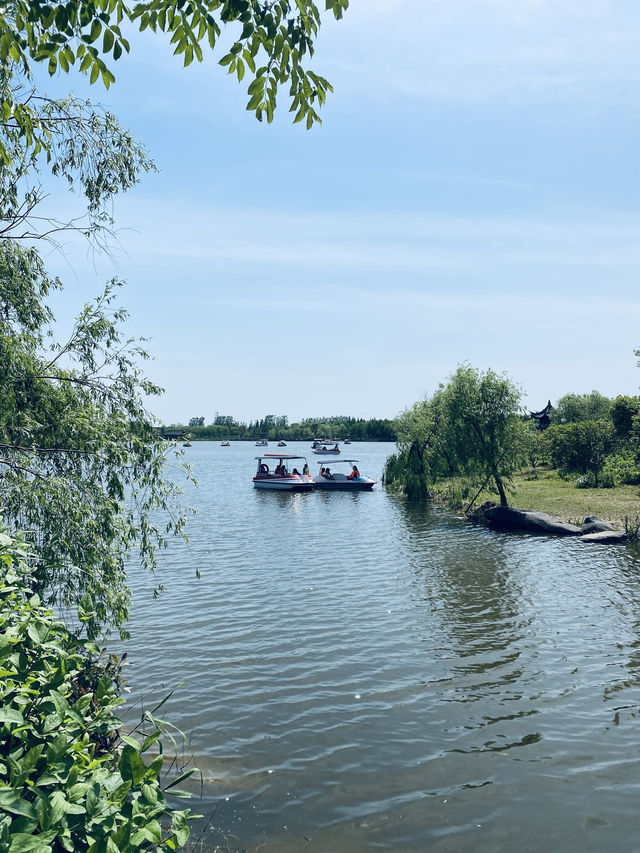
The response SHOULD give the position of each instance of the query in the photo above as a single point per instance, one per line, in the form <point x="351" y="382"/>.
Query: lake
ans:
<point x="359" y="673"/>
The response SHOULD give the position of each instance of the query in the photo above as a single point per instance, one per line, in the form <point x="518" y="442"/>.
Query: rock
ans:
<point x="606" y="537"/>
<point x="508" y="518"/>
<point x="478" y="514"/>
<point x="593" y="524"/>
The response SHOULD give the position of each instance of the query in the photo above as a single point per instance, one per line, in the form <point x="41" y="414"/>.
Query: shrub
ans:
<point x="68" y="780"/>
<point x="581" y="447"/>
<point x="622" y="468"/>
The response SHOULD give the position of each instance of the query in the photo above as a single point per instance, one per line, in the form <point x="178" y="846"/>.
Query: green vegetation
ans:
<point x="469" y="429"/>
<point x="557" y="495"/>
<point x="68" y="780"/>
<point x="268" y="43"/>
<point x="81" y="467"/>
<point x="471" y="442"/>
<point x="225" y="428"/>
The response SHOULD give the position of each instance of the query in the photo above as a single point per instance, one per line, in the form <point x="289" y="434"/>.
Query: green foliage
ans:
<point x="482" y="428"/>
<point x="225" y="427"/>
<point x="622" y="468"/>
<point x="83" y="144"/>
<point x="536" y="446"/>
<point x="471" y="428"/>
<point x="268" y="41"/>
<point x="81" y="467"/>
<point x="623" y="410"/>
<point x="581" y="448"/>
<point x="68" y="782"/>
<point x="411" y="469"/>
<point x="573" y="408"/>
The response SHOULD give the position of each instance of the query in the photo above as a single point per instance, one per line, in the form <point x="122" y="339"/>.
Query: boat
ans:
<point x="277" y="473"/>
<point x="338" y="481"/>
<point x="262" y="442"/>
<point x="225" y="444"/>
<point x="324" y="447"/>
<point x="347" y="441"/>
<point x="186" y="444"/>
<point x="282" y="443"/>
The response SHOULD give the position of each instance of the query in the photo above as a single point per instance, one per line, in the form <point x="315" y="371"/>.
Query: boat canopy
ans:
<point x="334" y="461"/>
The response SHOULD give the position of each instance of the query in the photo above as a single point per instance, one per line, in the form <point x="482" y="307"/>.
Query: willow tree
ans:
<point x="470" y="428"/>
<point x="483" y="428"/>
<point x="81" y="467"/>
<point x="421" y="449"/>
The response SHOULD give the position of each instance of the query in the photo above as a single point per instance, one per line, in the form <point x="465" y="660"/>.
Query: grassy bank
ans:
<point x="550" y="493"/>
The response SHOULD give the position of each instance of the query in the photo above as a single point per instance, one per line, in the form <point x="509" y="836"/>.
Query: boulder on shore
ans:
<point x="528" y="521"/>
<point x="606" y="537"/>
<point x="593" y="524"/>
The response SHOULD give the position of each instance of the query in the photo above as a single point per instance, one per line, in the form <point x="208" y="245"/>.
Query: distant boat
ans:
<point x="262" y="442"/>
<point x="323" y="447"/>
<point x="186" y="444"/>
<point x="282" y="443"/>
<point x="225" y="444"/>
<point x="347" y="441"/>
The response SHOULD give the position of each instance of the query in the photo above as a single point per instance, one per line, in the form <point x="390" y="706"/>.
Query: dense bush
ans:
<point x="406" y="472"/>
<point x="620" y="469"/>
<point x="574" y="408"/>
<point x="623" y="411"/>
<point x="581" y="448"/>
<point x="68" y="780"/>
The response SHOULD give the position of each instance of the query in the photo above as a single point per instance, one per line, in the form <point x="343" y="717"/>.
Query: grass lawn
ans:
<point x="549" y="493"/>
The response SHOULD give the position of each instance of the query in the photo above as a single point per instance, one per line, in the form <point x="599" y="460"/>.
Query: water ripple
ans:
<point x="361" y="673"/>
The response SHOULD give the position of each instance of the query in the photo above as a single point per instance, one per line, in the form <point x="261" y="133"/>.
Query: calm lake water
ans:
<point x="358" y="673"/>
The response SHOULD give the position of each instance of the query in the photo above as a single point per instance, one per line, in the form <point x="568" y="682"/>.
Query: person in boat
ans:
<point x="296" y="472"/>
<point x="354" y="471"/>
<point x="336" y="447"/>
<point x="305" y="470"/>
<point x="327" y="473"/>
<point x="322" y="471"/>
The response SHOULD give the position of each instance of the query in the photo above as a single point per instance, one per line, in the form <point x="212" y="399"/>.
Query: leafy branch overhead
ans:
<point x="271" y="40"/>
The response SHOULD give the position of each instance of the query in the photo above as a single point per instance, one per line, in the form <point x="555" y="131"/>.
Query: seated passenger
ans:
<point x="328" y="474"/>
<point x="305" y="470"/>
<point x="296" y="472"/>
<point x="322" y="472"/>
<point x="354" y="471"/>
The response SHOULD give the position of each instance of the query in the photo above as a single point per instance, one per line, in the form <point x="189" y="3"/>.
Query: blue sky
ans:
<point x="472" y="195"/>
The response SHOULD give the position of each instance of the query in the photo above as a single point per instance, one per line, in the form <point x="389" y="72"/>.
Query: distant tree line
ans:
<point x="226" y="428"/>
<point x="474" y="431"/>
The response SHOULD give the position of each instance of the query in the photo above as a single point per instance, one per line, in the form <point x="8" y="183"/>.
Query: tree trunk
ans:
<point x="500" y="488"/>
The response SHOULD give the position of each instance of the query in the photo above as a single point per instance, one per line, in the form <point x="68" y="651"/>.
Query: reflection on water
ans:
<point x="361" y="673"/>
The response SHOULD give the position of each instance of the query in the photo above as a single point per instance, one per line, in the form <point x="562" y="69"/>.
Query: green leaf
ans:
<point x="131" y="766"/>
<point x="96" y="29"/>
<point x="132" y="742"/>
<point x="11" y="802"/>
<point x="11" y="716"/>
<point x="22" y="842"/>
